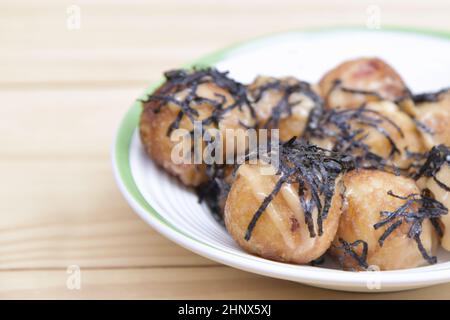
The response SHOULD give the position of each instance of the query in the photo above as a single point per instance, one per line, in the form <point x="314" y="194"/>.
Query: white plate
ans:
<point x="422" y="58"/>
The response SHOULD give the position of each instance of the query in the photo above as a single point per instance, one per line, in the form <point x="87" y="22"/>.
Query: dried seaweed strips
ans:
<point x="283" y="107"/>
<point x="180" y="80"/>
<point x="315" y="170"/>
<point x="436" y="158"/>
<point x="318" y="262"/>
<point x="414" y="211"/>
<point x="215" y="191"/>
<point x="349" y="249"/>
<point x="422" y="126"/>
<point x="429" y="96"/>
<point x="338" y="85"/>
<point x="339" y="125"/>
<point x="422" y="98"/>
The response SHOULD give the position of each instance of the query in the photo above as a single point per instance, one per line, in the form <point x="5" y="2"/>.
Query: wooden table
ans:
<point x="63" y="93"/>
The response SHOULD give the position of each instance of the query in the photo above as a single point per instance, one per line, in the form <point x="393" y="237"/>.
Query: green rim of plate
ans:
<point x="131" y="119"/>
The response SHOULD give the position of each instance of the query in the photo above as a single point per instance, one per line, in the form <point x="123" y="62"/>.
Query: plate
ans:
<point x="421" y="57"/>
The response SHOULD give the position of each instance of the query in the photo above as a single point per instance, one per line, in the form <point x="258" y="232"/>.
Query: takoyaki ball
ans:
<point x="400" y="129"/>
<point x="283" y="103"/>
<point x="369" y="198"/>
<point x="281" y="233"/>
<point x="359" y="81"/>
<point x="435" y="176"/>
<point x="269" y="216"/>
<point x="208" y="96"/>
<point x="432" y="112"/>
<point x="377" y="127"/>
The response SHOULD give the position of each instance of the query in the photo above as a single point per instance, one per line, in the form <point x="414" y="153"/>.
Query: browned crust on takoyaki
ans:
<point x="207" y="96"/>
<point x="280" y="234"/>
<point x="373" y="76"/>
<point x="283" y="103"/>
<point x="432" y="112"/>
<point x="365" y="197"/>
<point x="153" y="129"/>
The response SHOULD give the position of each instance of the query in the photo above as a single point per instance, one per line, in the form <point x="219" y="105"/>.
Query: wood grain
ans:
<point x="132" y="42"/>
<point x="215" y="282"/>
<point x="63" y="93"/>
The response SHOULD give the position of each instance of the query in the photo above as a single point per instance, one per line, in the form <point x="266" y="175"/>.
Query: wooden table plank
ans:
<point x="123" y="42"/>
<point x="60" y="205"/>
<point x="179" y="283"/>
<point x="58" y="213"/>
<point x="65" y="123"/>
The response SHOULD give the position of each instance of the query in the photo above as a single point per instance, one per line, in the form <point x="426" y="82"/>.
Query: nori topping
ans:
<point x="180" y="80"/>
<point x="436" y="158"/>
<point x="339" y="126"/>
<point x="215" y="191"/>
<point x="422" y="126"/>
<point x="337" y="85"/>
<point x="349" y="249"/>
<point x="283" y="108"/>
<point x="315" y="170"/>
<point x="429" y="96"/>
<point x="414" y="211"/>
<point x="318" y="262"/>
<point x="421" y="98"/>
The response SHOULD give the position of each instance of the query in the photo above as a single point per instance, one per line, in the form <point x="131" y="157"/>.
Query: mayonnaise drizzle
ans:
<point x="262" y="186"/>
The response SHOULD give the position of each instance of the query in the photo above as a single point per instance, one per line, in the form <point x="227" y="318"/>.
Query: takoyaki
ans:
<point x="283" y="104"/>
<point x="432" y="114"/>
<point x="207" y="96"/>
<point x="290" y="213"/>
<point x="385" y="222"/>
<point x="353" y="174"/>
<point x="358" y="81"/>
<point x="377" y="133"/>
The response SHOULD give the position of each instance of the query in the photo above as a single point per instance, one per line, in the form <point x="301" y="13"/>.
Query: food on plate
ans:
<point x="358" y="81"/>
<point x="434" y="177"/>
<point x="207" y="96"/>
<point x="431" y="112"/>
<point x="214" y="191"/>
<point x="283" y="213"/>
<point x="385" y="222"/>
<point x="378" y="134"/>
<point x="283" y="103"/>
<point x="360" y="172"/>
